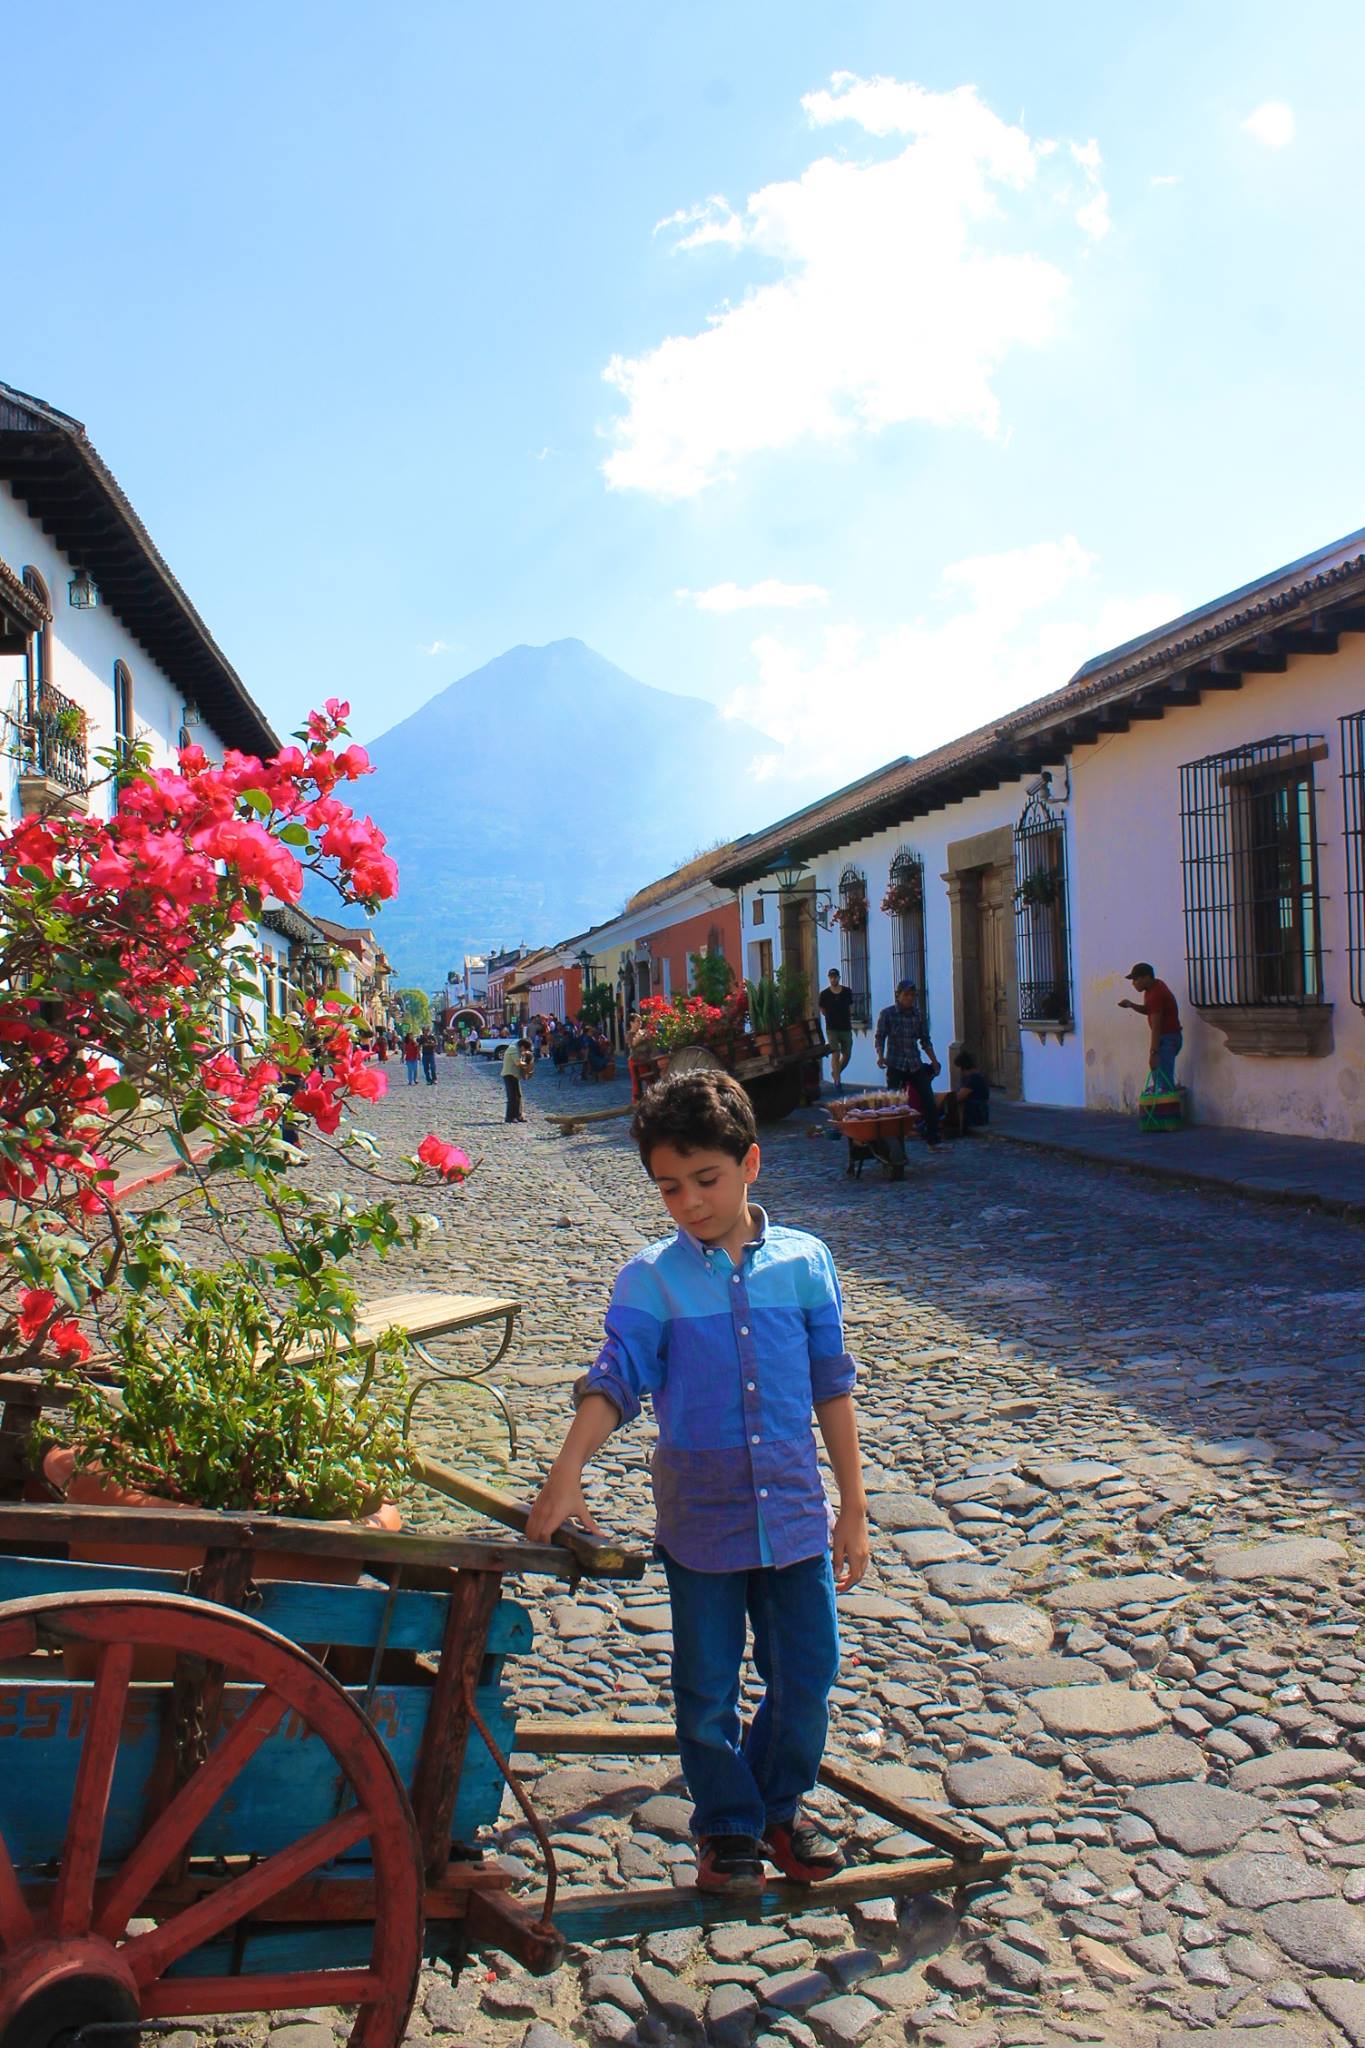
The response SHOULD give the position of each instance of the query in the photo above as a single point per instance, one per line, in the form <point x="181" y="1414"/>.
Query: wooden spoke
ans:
<point x="74" y="1898"/>
<point x="149" y="1954"/>
<point x="81" y="1933"/>
<point x="16" y="1922"/>
<point x="172" y="1829"/>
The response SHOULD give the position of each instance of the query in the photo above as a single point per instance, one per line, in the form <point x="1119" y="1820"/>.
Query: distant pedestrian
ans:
<point x="901" y="1032"/>
<point x="412" y="1053"/>
<point x="836" y="1007"/>
<point x="516" y="1068"/>
<point x="1159" y="1007"/>
<point x="427" y="1046"/>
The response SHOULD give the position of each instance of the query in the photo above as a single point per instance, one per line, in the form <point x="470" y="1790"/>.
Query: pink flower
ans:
<point x="317" y="1099"/>
<point x="35" y="1306"/>
<point x="448" y="1160"/>
<point x="69" y="1340"/>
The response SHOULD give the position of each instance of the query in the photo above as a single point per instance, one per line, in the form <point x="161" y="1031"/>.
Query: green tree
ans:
<point x="416" y="1007"/>
<point x="712" y="977"/>
<point x="598" y="1003"/>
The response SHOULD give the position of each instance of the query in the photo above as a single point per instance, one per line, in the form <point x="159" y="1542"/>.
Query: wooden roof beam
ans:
<point x="1319" y="636"/>
<point x="1219" y="674"/>
<point x="1264" y="657"/>
<point x="1350" y="619"/>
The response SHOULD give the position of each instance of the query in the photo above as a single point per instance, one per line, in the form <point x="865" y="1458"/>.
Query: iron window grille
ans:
<point x="853" y="944"/>
<point x="909" y="956"/>
<point x="1042" y="916"/>
<point x="1249" y="855"/>
<point x="1353" y="809"/>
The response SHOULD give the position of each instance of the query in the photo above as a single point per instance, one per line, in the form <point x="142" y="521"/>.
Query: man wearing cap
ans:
<point x="1159" y="1007"/>
<point x="901" y="1031"/>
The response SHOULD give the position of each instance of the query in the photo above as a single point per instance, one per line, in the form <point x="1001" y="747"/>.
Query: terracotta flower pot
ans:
<point x="93" y="1489"/>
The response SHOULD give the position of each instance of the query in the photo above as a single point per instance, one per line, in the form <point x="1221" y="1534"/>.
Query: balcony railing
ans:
<point x="55" y="740"/>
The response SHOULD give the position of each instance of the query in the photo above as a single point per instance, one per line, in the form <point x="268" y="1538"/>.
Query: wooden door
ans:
<point x="992" y="989"/>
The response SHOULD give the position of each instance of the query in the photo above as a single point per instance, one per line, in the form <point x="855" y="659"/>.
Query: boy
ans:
<point x="734" y="1327"/>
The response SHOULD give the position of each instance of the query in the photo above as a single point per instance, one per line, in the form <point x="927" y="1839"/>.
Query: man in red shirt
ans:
<point x="1158" y="1006"/>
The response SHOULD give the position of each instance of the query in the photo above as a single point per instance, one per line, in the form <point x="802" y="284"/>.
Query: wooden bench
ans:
<point x="567" y="1124"/>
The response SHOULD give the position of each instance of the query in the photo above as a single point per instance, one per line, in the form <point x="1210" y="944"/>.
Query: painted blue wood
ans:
<point x="330" y="1947"/>
<point x="303" y="1611"/>
<point x="289" y="1786"/>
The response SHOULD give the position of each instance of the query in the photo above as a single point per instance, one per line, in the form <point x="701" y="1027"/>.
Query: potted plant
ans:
<point x="851" y="913"/>
<point x="122" y="941"/>
<point x="904" y="893"/>
<point x="764" y="1015"/>
<point x="1039" y="888"/>
<point x="793" y="1001"/>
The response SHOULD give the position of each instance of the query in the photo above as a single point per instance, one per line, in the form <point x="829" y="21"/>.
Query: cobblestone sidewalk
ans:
<point x="1116" y="1444"/>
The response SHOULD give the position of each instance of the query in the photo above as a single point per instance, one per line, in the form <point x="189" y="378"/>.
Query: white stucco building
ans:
<point x="1195" y="798"/>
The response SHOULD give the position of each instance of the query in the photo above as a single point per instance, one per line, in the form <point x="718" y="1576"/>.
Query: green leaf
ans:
<point x="295" y="834"/>
<point x="258" y="800"/>
<point x="123" y="1095"/>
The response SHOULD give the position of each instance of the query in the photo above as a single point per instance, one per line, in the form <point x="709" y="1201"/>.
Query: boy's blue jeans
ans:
<point x="743" y="1785"/>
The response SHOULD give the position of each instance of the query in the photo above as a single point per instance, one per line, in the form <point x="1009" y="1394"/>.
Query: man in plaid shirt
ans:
<point x="901" y="1031"/>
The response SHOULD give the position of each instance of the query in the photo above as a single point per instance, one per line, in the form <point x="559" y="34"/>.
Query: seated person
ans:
<point x="967" y="1106"/>
<point x="595" y="1052"/>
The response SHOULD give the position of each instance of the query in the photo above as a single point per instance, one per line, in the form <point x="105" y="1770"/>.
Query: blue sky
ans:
<point x="950" y="345"/>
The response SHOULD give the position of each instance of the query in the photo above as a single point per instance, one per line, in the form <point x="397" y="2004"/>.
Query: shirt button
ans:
<point x="750" y="1385"/>
<point x="763" y="1493"/>
<point x="734" y="1279"/>
<point x="744" y="1329"/>
<point x="753" y="1439"/>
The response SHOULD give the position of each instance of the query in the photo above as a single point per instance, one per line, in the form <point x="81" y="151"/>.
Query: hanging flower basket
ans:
<point x="852" y="914"/>
<point x="904" y="896"/>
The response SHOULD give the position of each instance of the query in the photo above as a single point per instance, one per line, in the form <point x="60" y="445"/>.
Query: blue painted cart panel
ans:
<point x="306" y="1613"/>
<point x="290" y="1785"/>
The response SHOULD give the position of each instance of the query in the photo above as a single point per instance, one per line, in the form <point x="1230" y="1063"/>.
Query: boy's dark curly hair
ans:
<point x="705" y="1110"/>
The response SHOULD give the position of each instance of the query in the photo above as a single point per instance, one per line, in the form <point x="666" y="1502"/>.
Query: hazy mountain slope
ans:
<point x="529" y="799"/>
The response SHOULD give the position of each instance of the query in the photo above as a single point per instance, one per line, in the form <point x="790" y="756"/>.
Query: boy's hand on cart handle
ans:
<point x="560" y="1500"/>
<point x="851" y="1548"/>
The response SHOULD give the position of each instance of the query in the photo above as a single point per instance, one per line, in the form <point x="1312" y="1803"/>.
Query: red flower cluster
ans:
<point x="118" y="948"/>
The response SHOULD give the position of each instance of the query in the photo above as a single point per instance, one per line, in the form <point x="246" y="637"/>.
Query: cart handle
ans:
<point x="597" y="1557"/>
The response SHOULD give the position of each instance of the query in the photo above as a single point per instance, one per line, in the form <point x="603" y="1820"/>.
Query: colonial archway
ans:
<point x="467" y="1014"/>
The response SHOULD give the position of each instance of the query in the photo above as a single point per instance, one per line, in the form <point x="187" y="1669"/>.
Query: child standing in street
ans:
<point x="734" y="1327"/>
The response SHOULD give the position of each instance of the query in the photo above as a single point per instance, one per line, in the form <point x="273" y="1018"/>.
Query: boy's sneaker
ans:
<point x="729" y="1863"/>
<point x="802" y="1851"/>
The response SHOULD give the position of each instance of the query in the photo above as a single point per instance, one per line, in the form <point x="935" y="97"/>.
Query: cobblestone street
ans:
<point x="1116" y="1446"/>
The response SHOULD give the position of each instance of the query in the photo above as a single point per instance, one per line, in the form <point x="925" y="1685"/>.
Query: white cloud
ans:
<point x="1092" y="215"/>
<point x="1018" y="624"/>
<point x="436" y="647"/>
<point x="903" y="283"/>
<point x="1272" y="123"/>
<point x="768" y="595"/>
<point x="1164" y="178"/>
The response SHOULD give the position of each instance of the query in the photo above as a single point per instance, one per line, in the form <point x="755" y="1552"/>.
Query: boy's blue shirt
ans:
<point x="734" y="1358"/>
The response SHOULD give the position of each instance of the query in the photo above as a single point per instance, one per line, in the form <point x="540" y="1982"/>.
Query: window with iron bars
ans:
<point x="852" y="915"/>
<point x="904" y="905"/>
<point x="1249" y="854"/>
<point x="1353" y="819"/>
<point x="1042" y="918"/>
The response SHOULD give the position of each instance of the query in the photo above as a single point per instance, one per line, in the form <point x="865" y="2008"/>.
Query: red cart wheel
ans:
<point x="67" y="1955"/>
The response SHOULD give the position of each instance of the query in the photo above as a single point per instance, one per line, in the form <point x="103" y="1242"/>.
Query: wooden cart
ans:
<point x="225" y="1792"/>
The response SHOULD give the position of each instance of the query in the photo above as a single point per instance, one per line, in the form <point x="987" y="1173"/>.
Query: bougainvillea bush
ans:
<point x="125" y="942"/>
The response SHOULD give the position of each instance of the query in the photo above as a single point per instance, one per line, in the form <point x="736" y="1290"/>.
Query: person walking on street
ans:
<point x="1159" y="1007"/>
<point x="427" y="1045"/>
<point x="411" y="1054"/>
<point x="901" y="1032"/>
<point x="516" y="1067"/>
<point x="836" y="1007"/>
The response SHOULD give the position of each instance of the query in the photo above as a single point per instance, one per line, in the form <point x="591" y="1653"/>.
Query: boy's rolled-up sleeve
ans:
<point x="833" y="1370"/>
<point x="629" y="1364"/>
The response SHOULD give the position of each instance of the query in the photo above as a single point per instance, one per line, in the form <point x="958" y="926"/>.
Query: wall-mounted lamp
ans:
<point x="789" y="874"/>
<point x="82" y="592"/>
